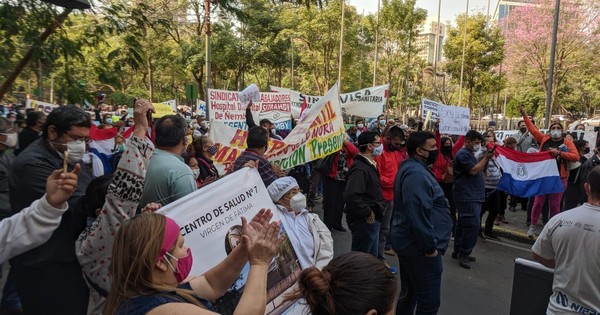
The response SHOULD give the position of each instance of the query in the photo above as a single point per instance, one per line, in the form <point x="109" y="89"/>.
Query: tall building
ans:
<point x="504" y="7"/>
<point x="428" y="33"/>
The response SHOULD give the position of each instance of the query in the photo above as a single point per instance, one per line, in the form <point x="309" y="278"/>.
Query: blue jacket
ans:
<point x="421" y="221"/>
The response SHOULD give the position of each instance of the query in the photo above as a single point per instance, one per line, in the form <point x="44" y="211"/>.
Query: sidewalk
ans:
<point x="515" y="229"/>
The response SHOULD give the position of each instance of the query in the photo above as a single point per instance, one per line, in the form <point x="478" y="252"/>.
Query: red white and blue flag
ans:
<point x="102" y="147"/>
<point x="528" y="174"/>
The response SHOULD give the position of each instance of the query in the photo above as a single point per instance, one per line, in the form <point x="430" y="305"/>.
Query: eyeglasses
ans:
<point x="78" y="138"/>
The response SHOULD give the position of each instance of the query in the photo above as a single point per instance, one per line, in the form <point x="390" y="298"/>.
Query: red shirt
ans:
<point x="388" y="164"/>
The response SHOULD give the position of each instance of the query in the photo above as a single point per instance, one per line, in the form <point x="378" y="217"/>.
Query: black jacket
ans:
<point x="363" y="191"/>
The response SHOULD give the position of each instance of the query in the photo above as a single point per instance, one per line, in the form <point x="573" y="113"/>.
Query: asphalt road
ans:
<point x="484" y="289"/>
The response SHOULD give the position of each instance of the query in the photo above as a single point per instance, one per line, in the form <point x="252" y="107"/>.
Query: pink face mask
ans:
<point x="184" y="264"/>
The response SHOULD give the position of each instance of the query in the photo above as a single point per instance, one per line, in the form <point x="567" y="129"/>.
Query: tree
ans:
<point x="483" y="53"/>
<point x="528" y="40"/>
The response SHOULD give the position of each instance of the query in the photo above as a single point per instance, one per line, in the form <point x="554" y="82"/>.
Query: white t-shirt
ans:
<point x="572" y="239"/>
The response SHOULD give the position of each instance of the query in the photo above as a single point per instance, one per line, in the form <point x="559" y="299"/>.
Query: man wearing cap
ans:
<point x="309" y="236"/>
<point x="363" y="197"/>
<point x="564" y="151"/>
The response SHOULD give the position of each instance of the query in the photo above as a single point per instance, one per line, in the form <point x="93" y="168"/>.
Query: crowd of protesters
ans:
<point x="404" y="189"/>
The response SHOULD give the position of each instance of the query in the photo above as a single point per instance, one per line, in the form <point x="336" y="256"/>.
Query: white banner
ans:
<point x="225" y="107"/>
<point x="454" y="120"/>
<point x="369" y="102"/>
<point x="429" y="106"/>
<point x="589" y="136"/>
<point x="210" y="220"/>
<point x="318" y="134"/>
<point x="44" y="107"/>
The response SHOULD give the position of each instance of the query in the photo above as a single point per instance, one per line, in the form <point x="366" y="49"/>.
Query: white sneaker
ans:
<point x="531" y="231"/>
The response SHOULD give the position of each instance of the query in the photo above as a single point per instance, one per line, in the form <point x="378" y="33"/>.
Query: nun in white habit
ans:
<point x="309" y="236"/>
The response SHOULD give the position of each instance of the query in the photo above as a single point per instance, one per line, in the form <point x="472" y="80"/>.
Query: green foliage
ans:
<point x="484" y="51"/>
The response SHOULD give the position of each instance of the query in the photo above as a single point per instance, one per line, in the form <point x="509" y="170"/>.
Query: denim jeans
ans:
<point x="420" y="282"/>
<point x="365" y="236"/>
<point x="10" y="298"/>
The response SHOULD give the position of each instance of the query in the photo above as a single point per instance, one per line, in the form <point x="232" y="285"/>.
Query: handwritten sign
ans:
<point x="251" y="93"/>
<point x="454" y="120"/>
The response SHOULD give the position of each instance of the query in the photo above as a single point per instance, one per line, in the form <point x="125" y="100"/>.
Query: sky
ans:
<point x="450" y="8"/>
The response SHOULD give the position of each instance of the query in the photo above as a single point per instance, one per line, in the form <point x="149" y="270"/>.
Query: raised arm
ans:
<point x="537" y="135"/>
<point x="249" y="119"/>
<point x="94" y="244"/>
<point x="34" y="225"/>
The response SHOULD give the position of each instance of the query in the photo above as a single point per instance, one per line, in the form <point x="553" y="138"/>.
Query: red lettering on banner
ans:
<point x="239" y="139"/>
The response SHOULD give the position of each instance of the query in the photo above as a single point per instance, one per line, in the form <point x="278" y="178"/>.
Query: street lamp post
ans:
<point x="552" y="57"/>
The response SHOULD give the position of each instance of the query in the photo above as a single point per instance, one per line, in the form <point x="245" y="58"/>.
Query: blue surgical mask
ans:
<point x="378" y="150"/>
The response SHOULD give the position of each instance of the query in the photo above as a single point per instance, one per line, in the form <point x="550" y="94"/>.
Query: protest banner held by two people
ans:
<point x="320" y="133"/>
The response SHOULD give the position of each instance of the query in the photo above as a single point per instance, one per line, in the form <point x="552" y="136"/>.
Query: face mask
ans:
<point x="203" y="124"/>
<point x="109" y="121"/>
<point x="392" y="148"/>
<point x="586" y="150"/>
<point x="447" y="149"/>
<point x="76" y="150"/>
<point x="212" y="150"/>
<point x="11" y="140"/>
<point x="184" y="266"/>
<point x="555" y="134"/>
<point x="431" y="157"/>
<point x="360" y="126"/>
<point x="298" y="202"/>
<point x="196" y="172"/>
<point x="523" y="130"/>
<point x="476" y="147"/>
<point x="378" y="150"/>
<point x="273" y="132"/>
<point x="120" y="148"/>
<point x="382" y="121"/>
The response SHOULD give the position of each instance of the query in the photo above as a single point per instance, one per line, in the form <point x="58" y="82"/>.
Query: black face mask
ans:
<point x="586" y="150"/>
<point x="523" y="130"/>
<point x="392" y="148"/>
<point x="433" y="154"/>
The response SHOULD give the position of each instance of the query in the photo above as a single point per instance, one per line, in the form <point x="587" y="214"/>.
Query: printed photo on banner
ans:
<point x="368" y="102"/>
<point x="226" y="107"/>
<point x="320" y="133"/>
<point x="210" y="221"/>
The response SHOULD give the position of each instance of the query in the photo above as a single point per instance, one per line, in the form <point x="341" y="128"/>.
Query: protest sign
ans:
<point x="172" y="103"/>
<point x="249" y="94"/>
<point x="201" y="107"/>
<point x="210" y="222"/>
<point x="429" y="106"/>
<point x="454" y="120"/>
<point x="44" y="107"/>
<point x="369" y="102"/>
<point x="162" y="110"/>
<point x="226" y="107"/>
<point x="320" y="133"/>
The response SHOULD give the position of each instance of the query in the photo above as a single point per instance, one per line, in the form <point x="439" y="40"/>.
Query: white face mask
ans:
<point x="298" y="202"/>
<point x="378" y="150"/>
<point x="476" y="147"/>
<point x="76" y="150"/>
<point x="556" y="134"/>
<point x="360" y="126"/>
<point x="11" y="139"/>
<point x="196" y="172"/>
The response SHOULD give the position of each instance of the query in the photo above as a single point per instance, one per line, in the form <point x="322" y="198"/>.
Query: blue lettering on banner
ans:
<point x="284" y="125"/>
<point x="237" y="124"/>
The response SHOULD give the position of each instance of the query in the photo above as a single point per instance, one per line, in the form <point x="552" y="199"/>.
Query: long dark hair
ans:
<point x="350" y="284"/>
